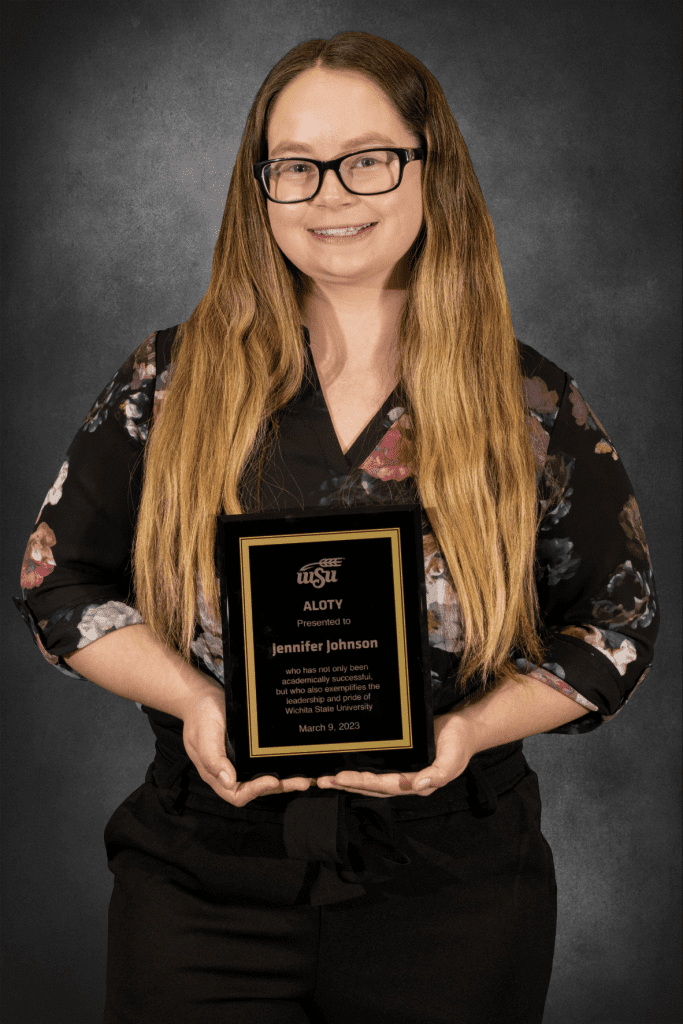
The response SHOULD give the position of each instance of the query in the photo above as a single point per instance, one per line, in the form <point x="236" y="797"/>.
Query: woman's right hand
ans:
<point x="204" y="734"/>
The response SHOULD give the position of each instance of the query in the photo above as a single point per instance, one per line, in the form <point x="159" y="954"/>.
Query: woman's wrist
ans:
<point x="203" y="692"/>
<point x="463" y="729"/>
<point x="520" y="706"/>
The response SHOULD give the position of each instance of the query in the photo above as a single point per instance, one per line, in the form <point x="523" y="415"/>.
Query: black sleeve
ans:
<point x="76" y="574"/>
<point x="594" y="574"/>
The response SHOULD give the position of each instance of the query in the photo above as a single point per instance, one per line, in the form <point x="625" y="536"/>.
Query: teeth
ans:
<point x="342" y="231"/>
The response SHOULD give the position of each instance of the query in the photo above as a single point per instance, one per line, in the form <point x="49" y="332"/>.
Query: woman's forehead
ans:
<point x="324" y="107"/>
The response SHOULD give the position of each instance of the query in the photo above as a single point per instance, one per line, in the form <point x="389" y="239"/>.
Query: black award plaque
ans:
<point x="325" y="640"/>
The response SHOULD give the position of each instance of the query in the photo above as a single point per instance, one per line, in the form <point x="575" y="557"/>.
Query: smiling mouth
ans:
<point x="342" y="232"/>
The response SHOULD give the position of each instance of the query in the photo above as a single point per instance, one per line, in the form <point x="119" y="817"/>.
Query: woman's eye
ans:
<point x="295" y="169"/>
<point x="366" y="161"/>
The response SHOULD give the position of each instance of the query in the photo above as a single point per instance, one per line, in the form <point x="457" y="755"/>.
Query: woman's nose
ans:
<point x="332" y="189"/>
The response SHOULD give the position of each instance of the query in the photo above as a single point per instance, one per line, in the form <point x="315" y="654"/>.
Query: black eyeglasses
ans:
<point x="368" y="172"/>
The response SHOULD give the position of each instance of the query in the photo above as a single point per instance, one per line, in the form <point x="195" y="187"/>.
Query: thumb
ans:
<point x="435" y="775"/>
<point x="215" y="763"/>
<point x="208" y="752"/>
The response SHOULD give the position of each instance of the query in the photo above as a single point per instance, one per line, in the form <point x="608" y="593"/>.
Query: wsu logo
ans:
<point x="319" y="573"/>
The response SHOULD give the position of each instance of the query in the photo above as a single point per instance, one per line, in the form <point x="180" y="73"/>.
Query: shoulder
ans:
<point x="545" y="384"/>
<point x="152" y="357"/>
<point x="161" y="348"/>
<point x="137" y="388"/>
<point x="553" y="394"/>
<point x="535" y="364"/>
<point x="165" y="347"/>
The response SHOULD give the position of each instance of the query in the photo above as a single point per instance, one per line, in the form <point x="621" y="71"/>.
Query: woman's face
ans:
<point x="326" y="114"/>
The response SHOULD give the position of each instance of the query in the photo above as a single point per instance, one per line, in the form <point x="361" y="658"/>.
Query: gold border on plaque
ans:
<point x="401" y="742"/>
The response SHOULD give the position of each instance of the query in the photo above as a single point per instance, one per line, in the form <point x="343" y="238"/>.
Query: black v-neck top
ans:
<point x="322" y="427"/>
<point x="594" y="576"/>
<point x="303" y="443"/>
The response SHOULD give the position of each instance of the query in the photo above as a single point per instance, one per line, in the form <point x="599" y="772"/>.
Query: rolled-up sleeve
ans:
<point x="76" y="576"/>
<point x="594" y="575"/>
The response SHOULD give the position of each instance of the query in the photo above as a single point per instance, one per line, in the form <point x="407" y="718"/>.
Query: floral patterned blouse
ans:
<point x="594" y="575"/>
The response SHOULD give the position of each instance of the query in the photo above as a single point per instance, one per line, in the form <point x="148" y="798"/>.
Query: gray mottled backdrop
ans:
<point x="121" y="124"/>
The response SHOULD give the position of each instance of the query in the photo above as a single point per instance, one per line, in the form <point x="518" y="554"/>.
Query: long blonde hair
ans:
<point x="240" y="358"/>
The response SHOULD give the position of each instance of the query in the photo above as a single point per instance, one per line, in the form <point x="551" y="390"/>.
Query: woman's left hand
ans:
<point x="455" y="745"/>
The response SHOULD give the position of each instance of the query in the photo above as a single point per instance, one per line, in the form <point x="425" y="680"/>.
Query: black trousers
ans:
<point x="211" y="918"/>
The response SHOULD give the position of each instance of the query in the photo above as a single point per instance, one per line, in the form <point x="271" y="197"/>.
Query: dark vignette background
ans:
<point x="121" y="121"/>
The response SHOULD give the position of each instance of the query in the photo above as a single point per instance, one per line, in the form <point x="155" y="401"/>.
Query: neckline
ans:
<point x="321" y="423"/>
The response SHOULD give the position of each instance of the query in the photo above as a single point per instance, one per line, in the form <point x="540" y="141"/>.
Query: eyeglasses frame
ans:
<point x="405" y="156"/>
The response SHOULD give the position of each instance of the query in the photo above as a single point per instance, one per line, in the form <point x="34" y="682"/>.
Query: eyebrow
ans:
<point x="348" y="147"/>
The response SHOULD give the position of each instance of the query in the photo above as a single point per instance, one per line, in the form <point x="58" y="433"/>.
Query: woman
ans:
<point x="354" y="346"/>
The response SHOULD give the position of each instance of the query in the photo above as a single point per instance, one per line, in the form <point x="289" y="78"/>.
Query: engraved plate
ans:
<point x="324" y="631"/>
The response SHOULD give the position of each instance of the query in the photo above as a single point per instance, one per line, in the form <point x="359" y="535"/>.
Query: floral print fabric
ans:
<point x="594" y="575"/>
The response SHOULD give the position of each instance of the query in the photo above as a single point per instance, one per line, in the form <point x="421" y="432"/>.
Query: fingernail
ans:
<point x="424" y="783"/>
<point x="225" y="779"/>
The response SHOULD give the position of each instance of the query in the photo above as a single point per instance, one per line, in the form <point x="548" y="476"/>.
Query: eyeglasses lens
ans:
<point x="365" y="173"/>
